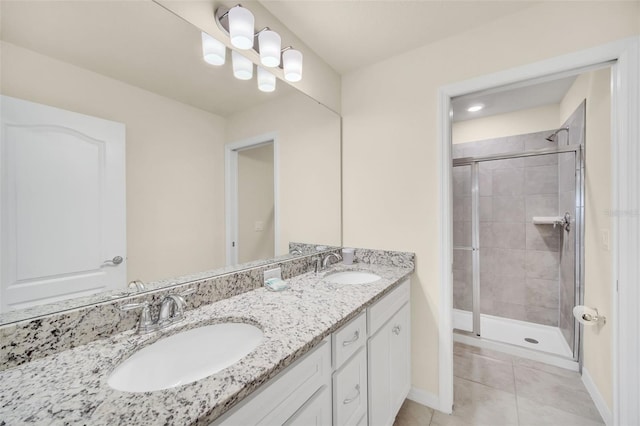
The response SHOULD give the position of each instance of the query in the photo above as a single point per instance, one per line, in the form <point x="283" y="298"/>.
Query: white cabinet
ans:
<point x="281" y="398"/>
<point x="360" y="375"/>
<point x="389" y="356"/>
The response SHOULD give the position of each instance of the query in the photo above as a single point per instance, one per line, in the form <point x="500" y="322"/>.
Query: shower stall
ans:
<point x="518" y="238"/>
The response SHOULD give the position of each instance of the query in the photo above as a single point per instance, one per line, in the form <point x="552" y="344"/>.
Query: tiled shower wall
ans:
<point x="519" y="261"/>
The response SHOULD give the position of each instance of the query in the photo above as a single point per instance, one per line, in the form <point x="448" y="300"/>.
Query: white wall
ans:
<point x="595" y="87"/>
<point x="308" y="137"/>
<point x="509" y="124"/>
<point x="174" y="161"/>
<point x="390" y="153"/>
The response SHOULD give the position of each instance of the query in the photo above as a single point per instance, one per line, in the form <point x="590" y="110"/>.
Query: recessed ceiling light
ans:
<point x="475" y="108"/>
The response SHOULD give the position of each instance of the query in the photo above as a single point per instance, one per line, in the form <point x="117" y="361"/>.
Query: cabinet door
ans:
<point x="379" y="378"/>
<point x="389" y="368"/>
<point x="400" y="358"/>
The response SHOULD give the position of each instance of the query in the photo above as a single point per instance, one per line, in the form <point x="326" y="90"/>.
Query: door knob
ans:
<point x="116" y="260"/>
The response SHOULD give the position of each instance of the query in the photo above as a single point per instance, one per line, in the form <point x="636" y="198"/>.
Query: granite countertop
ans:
<point x="71" y="387"/>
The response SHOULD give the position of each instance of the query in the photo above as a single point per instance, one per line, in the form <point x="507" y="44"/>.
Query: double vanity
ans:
<point x="333" y="348"/>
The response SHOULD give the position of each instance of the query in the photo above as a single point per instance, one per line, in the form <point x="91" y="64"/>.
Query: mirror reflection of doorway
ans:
<point x="252" y="201"/>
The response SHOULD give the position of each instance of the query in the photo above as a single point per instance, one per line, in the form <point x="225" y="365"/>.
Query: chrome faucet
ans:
<point x="325" y="261"/>
<point x="172" y="309"/>
<point x="171" y="312"/>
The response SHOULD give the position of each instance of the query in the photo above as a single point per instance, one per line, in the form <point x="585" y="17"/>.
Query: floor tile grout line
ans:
<point x="515" y="391"/>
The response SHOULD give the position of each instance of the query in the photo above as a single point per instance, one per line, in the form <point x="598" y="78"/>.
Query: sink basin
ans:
<point x="185" y="357"/>
<point x="352" y="277"/>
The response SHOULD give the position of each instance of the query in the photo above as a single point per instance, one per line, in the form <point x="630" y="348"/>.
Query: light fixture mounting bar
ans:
<point x="222" y="21"/>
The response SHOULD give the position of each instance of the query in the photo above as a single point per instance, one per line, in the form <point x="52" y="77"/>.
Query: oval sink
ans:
<point x="352" y="277"/>
<point x="185" y="357"/>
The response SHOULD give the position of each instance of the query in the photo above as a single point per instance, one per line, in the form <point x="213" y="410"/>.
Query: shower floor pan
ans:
<point x="514" y="332"/>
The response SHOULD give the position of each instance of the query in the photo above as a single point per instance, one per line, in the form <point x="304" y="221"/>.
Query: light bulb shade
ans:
<point x="214" y="52"/>
<point x="242" y="67"/>
<point x="270" y="44"/>
<point x="292" y="64"/>
<point x="241" y="27"/>
<point x="266" y="80"/>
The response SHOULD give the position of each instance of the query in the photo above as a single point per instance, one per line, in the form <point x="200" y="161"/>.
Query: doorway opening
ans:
<point x="618" y="287"/>
<point x="251" y="188"/>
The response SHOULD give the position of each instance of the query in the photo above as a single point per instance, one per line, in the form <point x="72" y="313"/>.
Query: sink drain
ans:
<point x="530" y="340"/>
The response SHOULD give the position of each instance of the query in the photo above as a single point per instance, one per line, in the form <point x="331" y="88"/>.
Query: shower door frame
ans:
<point x="578" y="214"/>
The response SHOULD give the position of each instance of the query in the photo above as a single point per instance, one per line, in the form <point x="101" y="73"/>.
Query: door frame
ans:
<point x="231" y="190"/>
<point x="625" y="157"/>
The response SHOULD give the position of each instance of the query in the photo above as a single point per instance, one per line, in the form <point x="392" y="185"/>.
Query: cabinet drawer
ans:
<point x="349" y="339"/>
<point x="350" y="390"/>
<point x="315" y="412"/>
<point x="283" y="395"/>
<point x="385" y="308"/>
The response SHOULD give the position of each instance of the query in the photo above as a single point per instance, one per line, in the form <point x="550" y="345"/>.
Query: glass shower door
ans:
<point x="465" y="245"/>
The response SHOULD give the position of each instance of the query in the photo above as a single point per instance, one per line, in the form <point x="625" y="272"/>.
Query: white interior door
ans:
<point x="63" y="204"/>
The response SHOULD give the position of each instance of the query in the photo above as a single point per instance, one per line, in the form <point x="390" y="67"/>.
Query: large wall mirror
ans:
<point x="126" y="155"/>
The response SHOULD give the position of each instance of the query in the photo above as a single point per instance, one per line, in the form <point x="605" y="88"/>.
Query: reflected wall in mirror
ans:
<point x="135" y="71"/>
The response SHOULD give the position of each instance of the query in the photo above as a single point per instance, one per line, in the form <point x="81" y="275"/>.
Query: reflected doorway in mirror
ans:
<point x="251" y="195"/>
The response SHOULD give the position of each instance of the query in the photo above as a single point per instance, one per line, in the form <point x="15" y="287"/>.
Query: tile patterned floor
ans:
<point x="496" y="389"/>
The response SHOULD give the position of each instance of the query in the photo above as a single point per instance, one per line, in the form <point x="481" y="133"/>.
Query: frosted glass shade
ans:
<point x="242" y="67"/>
<point x="241" y="24"/>
<point x="292" y="64"/>
<point x="270" y="44"/>
<point x="214" y="52"/>
<point x="266" y="80"/>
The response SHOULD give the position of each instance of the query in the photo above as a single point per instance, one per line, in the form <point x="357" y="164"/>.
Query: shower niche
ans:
<point x="517" y="236"/>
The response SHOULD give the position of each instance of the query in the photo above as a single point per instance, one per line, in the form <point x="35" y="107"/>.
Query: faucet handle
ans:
<point x="145" y="323"/>
<point x="132" y="306"/>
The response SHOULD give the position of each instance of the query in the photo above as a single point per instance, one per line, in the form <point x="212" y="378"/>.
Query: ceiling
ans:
<point x="350" y="34"/>
<point x="508" y="99"/>
<point x="137" y="42"/>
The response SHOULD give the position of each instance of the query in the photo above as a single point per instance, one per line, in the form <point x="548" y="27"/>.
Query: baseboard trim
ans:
<point x="602" y="406"/>
<point x="425" y="398"/>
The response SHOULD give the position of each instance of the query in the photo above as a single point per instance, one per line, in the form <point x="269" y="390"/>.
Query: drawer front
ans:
<point x="386" y="307"/>
<point x="283" y="395"/>
<point x="350" y="390"/>
<point x="349" y="339"/>
<point x="315" y="412"/>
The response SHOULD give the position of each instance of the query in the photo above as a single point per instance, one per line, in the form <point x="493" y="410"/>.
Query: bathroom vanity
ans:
<point x="359" y="375"/>
<point x="331" y="354"/>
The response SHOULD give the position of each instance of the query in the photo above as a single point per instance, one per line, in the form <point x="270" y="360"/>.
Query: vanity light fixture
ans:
<point x="241" y="23"/>
<point x="292" y="64"/>
<point x="475" y="108"/>
<point x="266" y="80"/>
<point x="230" y="21"/>
<point x="242" y="67"/>
<point x="213" y="51"/>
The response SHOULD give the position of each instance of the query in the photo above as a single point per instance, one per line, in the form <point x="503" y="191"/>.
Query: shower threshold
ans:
<point x="516" y="338"/>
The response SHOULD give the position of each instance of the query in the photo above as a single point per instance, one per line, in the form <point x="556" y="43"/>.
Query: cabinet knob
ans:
<point x="396" y="330"/>
<point x="350" y="400"/>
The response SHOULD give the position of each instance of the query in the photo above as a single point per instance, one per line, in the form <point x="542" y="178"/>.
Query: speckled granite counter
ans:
<point x="71" y="387"/>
